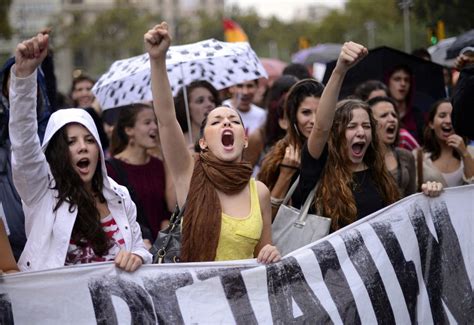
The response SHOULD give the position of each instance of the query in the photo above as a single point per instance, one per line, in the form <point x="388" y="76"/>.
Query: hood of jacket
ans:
<point x="63" y="117"/>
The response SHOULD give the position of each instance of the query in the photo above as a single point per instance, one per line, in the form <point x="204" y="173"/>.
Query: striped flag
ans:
<point x="233" y="32"/>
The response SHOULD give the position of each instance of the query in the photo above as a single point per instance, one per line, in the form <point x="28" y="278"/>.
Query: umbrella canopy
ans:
<point x="428" y="76"/>
<point x="462" y="41"/>
<point x="222" y="64"/>
<point x="438" y="52"/>
<point x="273" y="67"/>
<point x="322" y="53"/>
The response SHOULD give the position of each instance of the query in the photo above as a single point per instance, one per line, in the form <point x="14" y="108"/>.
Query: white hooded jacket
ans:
<point x="49" y="231"/>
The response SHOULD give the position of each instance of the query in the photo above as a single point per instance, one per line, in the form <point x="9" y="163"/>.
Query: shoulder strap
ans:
<point x="419" y="167"/>
<point x="291" y="191"/>
<point x="305" y="209"/>
<point x="399" y="168"/>
<point x="178" y="214"/>
<point x="307" y="204"/>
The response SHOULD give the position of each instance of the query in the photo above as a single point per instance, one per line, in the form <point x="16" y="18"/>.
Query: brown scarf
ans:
<point x="202" y="217"/>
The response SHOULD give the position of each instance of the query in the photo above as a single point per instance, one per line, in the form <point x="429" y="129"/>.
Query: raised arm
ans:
<point x="351" y="53"/>
<point x="29" y="166"/>
<point x="175" y="151"/>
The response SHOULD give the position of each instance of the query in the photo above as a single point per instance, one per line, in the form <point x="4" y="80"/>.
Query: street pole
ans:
<point x="273" y="49"/>
<point x="370" y="27"/>
<point x="405" y="6"/>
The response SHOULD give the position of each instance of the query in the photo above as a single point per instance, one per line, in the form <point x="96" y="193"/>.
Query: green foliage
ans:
<point x="118" y="33"/>
<point x="456" y="14"/>
<point x="114" y="34"/>
<point x="337" y="27"/>
<point x="5" y="28"/>
<point x="350" y="24"/>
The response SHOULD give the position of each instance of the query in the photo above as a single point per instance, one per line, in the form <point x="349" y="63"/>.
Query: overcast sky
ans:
<point x="284" y="9"/>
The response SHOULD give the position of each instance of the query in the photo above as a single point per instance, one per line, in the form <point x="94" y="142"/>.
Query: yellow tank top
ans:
<point x="239" y="236"/>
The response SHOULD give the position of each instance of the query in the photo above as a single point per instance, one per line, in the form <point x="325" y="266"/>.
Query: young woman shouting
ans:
<point x="74" y="213"/>
<point x="227" y="214"/>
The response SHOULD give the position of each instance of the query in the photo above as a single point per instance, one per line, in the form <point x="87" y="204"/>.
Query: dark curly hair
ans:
<point x="71" y="190"/>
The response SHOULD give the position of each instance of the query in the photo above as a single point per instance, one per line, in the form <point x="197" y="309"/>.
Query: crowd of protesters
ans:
<point x="83" y="185"/>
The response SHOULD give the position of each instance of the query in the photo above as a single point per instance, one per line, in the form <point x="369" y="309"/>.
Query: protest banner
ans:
<point x="409" y="263"/>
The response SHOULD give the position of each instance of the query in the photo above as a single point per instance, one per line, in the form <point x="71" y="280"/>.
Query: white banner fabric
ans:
<point x="411" y="262"/>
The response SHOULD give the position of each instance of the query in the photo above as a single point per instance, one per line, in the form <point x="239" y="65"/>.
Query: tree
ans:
<point x="114" y="34"/>
<point x="454" y="13"/>
<point x="349" y="24"/>
<point x="5" y="28"/>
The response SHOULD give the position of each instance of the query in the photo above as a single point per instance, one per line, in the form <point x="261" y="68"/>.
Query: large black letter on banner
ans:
<point x="135" y="297"/>
<point x="405" y="271"/>
<point x="6" y="314"/>
<point x="286" y="281"/>
<point x="336" y="282"/>
<point x="162" y="289"/>
<point x="443" y="267"/>
<point x="365" y="266"/>
<point x="235" y="292"/>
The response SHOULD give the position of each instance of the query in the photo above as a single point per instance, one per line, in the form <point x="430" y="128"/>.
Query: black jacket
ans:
<point x="463" y="103"/>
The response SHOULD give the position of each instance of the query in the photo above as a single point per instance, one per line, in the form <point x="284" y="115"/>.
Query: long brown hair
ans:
<point x="430" y="140"/>
<point x="127" y="117"/>
<point x="296" y="95"/>
<point x="71" y="190"/>
<point x="334" y="195"/>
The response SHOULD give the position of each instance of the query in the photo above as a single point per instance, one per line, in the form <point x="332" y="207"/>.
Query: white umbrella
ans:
<point x="438" y="52"/>
<point x="222" y="64"/>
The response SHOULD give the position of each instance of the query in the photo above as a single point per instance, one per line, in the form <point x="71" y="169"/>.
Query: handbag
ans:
<point x="167" y="246"/>
<point x="294" y="228"/>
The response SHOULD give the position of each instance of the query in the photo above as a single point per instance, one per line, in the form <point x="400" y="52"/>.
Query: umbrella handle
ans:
<point x="186" y="105"/>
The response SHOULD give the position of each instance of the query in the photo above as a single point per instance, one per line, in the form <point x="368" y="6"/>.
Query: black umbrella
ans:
<point x="428" y="76"/>
<point x="462" y="41"/>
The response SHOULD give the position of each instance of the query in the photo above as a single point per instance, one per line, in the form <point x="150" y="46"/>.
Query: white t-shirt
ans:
<point x="254" y="118"/>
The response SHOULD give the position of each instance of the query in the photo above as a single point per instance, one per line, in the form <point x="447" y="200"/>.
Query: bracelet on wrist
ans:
<point x="288" y="166"/>
<point x="275" y="202"/>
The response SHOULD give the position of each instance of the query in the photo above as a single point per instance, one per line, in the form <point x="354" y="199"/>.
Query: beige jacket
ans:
<point x="431" y="173"/>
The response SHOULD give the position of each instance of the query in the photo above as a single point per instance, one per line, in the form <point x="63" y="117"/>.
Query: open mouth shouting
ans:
<point x="447" y="130"/>
<point x="83" y="166"/>
<point x="391" y="131"/>
<point x="358" y="150"/>
<point x="228" y="140"/>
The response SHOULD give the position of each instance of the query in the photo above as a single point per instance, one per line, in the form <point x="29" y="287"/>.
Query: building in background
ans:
<point x="313" y="12"/>
<point x="27" y="17"/>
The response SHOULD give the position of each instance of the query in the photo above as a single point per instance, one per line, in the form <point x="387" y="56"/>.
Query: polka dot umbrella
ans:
<point x="222" y="64"/>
